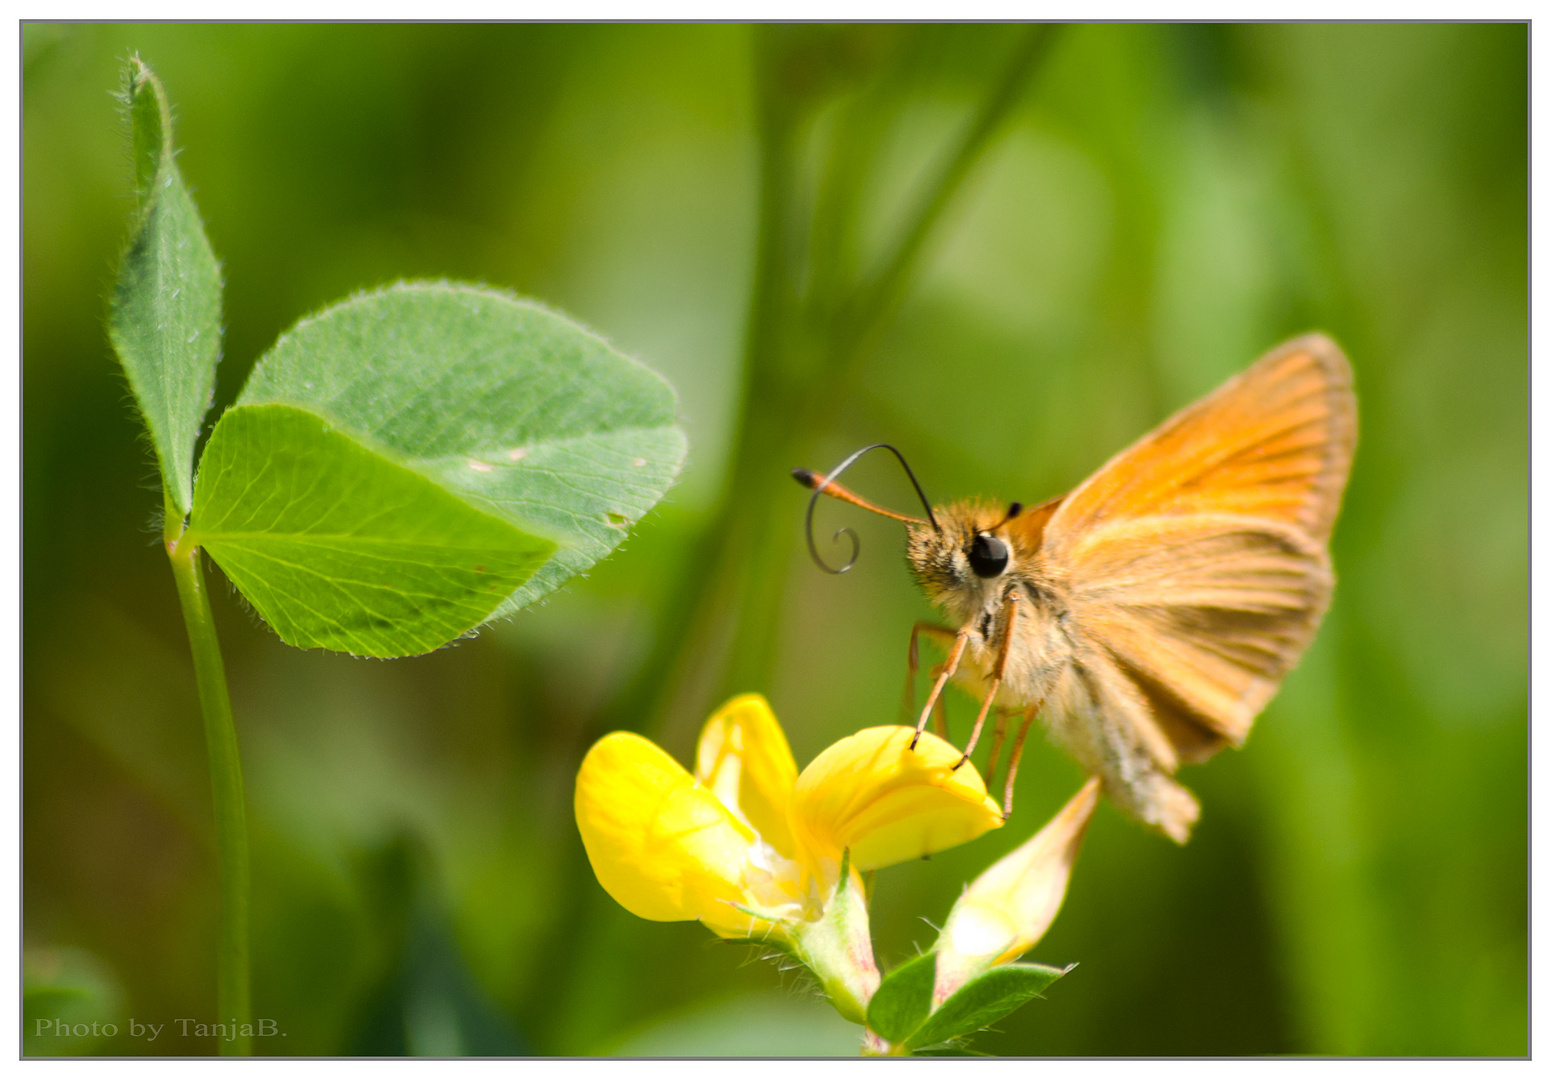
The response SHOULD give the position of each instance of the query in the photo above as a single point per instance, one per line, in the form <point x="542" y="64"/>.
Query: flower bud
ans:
<point x="1010" y="906"/>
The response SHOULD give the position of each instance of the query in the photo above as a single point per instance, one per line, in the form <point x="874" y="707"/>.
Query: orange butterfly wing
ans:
<point x="1196" y="558"/>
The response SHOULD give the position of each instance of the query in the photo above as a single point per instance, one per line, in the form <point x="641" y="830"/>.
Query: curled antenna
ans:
<point x="825" y="484"/>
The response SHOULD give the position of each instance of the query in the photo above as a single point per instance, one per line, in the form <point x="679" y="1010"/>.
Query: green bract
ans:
<point x="901" y="1011"/>
<point x="903" y="1000"/>
<point x="983" y="1001"/>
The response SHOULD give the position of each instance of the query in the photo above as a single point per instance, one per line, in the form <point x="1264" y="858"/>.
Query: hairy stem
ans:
<point x="231" y="825"/>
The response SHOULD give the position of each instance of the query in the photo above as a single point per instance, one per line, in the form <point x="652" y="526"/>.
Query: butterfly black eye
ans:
<point x="987" y="556"/>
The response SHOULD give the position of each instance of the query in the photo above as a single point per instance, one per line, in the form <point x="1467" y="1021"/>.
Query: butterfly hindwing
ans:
<point x="1205" y="614"/>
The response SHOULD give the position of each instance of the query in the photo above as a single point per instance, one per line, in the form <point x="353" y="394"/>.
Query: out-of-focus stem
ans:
<point x="868" y="310"/>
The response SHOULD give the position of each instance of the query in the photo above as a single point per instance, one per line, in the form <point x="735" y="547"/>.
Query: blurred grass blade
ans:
<point x="903" y="999"/>
<point x="518" y="410"/>
<point x="984" y="1001"/>
<point x="874" y="300"/>
<point x="165" y="317"/>
<point x="341" y="548"/>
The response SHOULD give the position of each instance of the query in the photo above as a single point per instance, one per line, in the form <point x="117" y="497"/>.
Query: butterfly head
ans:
<point x="966" y="561"/>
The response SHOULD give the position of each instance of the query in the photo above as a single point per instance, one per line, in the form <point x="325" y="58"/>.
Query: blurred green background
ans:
<point x="1149" y="209"/>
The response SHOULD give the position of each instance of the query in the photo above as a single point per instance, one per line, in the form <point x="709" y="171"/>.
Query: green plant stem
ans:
<point x="231" y="821"/>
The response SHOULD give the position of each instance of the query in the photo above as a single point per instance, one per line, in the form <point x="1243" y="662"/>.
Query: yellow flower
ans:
<point x="887" y="803"/>
<point x="746" y="845"/>
<point x="1010" y="906"/>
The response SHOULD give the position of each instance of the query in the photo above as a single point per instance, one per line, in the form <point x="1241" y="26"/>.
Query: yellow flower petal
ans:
<point x="744" y="758"/>
<point x="888" y="803"/>
<point x="1010" y="906"/>
<point x="661" y="844"/>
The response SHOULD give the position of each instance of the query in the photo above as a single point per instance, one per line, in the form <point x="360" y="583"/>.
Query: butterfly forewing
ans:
<point x="1275" y="442"/>
<point x="1196" y="558"/>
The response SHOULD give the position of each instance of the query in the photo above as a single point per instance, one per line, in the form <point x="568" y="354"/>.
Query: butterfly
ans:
<point x="1150" y="614"/>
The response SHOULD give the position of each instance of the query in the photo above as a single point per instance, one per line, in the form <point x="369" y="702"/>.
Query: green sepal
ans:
<point x="779" y="927"/>
<point x="984" y="1000"/>
<point x="837" y="947"/>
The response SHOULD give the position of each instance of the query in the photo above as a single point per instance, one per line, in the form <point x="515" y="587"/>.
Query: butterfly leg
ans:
<point x="913" y="662"/>
<point x="960" y="640"/>
<point x="996" y="680"/>
<point x="997" y="735"/>
<point x="1017" y="752"/>
<point x="940" y="714"/>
